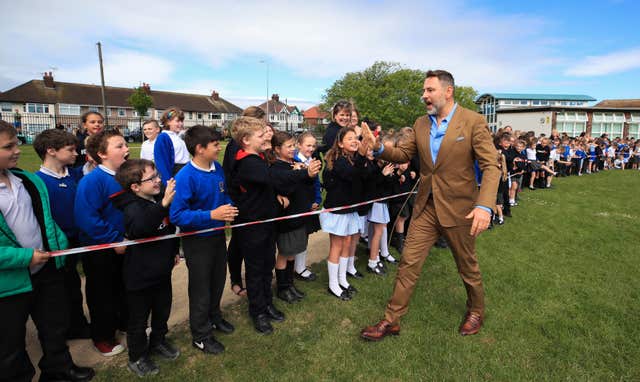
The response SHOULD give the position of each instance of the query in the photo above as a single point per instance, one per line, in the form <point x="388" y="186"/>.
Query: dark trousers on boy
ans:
<point x="258" y="247"/>
<point x="47" y="306"/>
<point x="77" y="321"/>
<point x="206" y="258"/>
<point x="154" y="301"/>
<point x="234" y="258"/>
<point x="105" y="293"/>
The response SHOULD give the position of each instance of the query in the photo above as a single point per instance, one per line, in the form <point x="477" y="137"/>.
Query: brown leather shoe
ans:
<point x="379" y="331"/>
<point x="471" y="324"/>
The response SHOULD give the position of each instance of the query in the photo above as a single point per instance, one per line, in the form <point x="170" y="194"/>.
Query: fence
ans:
<point x="29" y="125"/>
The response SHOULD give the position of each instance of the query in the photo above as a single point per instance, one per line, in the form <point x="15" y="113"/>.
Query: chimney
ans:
<point x="147" y="88"/>
<point x="215" y="96"/>
<point x="47" y="77"/>
<point x="275" y="97"/>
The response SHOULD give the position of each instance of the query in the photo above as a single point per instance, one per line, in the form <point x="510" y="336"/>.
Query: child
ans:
<point x="92" y="123"/>
<point x="234" y="258"/>
<point x="341" y="117"/>
<point x="292" y="233"/>
<point x="147" y="267"/>
<point x="253" y="183"/>
<point x="31" y="282"/>
<point x="345" y="164"/>
<point x="170" y="152"/>
<point x="202" y="202"/>
<point x="306" y="146"/>
<point x="579" y="157"/>
<point x="502" y="144"/>
<point x="57" y="149"/>
<point x="100" y="222"/>
<point x="380" y="184"/>
<point x="151" y="130"/>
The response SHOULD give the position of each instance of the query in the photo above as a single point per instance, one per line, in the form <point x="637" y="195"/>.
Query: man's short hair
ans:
<point x="245" y="127"/>
<point x="98" y="143"/>
<point x="200" y="135"/>
<point x="443" y="76"/>
<point x="132" y="171"/>
<point x="7" y="128"/>
<point x="53" y="139"/>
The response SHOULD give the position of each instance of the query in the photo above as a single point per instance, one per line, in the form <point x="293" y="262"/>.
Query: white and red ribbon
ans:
<point x="125" y="243"/>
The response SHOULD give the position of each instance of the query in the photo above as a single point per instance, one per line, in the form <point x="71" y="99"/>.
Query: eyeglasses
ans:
<point x="153" y="177"/>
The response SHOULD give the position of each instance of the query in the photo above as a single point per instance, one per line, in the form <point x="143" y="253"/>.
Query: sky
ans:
<point x="302" y="48"/>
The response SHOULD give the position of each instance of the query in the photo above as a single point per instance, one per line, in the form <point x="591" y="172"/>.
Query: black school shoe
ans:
<point x="143" y="367"/>
<point x="209" y="345"/>
<point x="274" y="314"/>
<point x="378" y="270"/>
<point x="351" y="290"/>
<point x="356" y="275"/>
<point x="310" y="277"/>
<point x="344" y="296"/>
<point x="75" y="373"/>
<point x="297" y="292"/>
<point x="165" y="349"/>
<point x="223" y="326"/>
<point x="262" y="324"/>
<point x="287" y="296"/>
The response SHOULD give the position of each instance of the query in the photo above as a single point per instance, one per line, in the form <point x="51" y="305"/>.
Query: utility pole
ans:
<point x="104" y="100"/>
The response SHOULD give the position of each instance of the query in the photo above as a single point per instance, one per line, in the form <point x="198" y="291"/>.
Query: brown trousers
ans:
<point x="423" y="233"/>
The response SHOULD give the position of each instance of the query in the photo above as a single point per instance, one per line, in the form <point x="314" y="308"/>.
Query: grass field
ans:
<point x="562" y="286"/>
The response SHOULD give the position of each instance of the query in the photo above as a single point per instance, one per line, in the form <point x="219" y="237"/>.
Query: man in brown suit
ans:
<point x="447" y="140"/>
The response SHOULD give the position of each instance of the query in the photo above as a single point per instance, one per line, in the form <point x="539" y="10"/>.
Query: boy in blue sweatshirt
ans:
<point x="202" y="202"/>
<point x="31" y="282"/>
<point x="100" y="222"/>
<point x="57" y="149"/>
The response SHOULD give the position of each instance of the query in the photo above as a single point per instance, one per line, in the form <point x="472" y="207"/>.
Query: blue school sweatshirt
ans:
<point x="62" y="193"/>
<point x="97" y="219"/>
<point x="198" y="192"/>
<point x="164" y="156"/>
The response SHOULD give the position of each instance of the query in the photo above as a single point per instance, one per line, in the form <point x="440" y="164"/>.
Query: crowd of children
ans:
<point x="101" y="196"/>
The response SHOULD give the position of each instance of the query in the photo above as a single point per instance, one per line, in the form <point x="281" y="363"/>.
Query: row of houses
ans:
<point x="37" y="105"/>
<point x="565" y="113"/>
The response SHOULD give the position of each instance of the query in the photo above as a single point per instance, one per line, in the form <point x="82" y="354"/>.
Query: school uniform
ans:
<point x="62" y="189"/>
<point x="377" y="186"/>
<point x="100" y="222"/>
<point x="170" y="154"/>
<point x="147" y="270"/>
<point x="37" y="291"/>
<point x="344" y="186"/>
<point x="198" y="191"/>
<point x="234" y="256"/>
<point x="253" y="183"/>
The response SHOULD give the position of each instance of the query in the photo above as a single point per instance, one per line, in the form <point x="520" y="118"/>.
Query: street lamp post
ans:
<point x="267" y="64"/>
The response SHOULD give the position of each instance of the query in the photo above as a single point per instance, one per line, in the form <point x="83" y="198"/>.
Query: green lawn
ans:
<point x="562" y="287"/>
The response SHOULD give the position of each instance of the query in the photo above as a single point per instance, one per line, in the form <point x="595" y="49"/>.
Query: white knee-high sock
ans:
<point x="334" y="285"/>
<point x="301" y="262"/>
<point x="384" y="248"/>
<point x="342" y="271"/>
<point x="351" y="267"/>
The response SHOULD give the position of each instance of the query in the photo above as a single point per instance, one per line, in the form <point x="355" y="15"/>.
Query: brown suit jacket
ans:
<point x="452" y="179"/>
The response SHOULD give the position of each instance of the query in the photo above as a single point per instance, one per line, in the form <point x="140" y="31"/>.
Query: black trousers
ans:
<point x="154" y="301"/>
<point x="47" y="306"/>
<point x="234" y="258"/>
<point x="206" y="258"/>
<point x="73" y="286"/>
<point x="258" y="247"/>
<point x="105" y="293"/>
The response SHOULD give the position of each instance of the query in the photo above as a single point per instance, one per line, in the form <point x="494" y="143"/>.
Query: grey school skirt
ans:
<point x="293" y="242"/>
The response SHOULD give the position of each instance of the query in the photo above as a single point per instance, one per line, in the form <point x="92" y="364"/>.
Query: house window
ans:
<point x="6" y="106"/>
<point x="68" y="109"/>
<point x="524" y="102"/>
<point x="199" y="115"/>
<point x="94" y="109"/>
<point x="536" y="102"/>
<point x="544" y="102"/>
<point x="37" y="108"/>
<point x="122" y="113"/>
<point x="634" y="130"/>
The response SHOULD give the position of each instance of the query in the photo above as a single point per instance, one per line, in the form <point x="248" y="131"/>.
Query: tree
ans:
<point x="140" y="101"/>
<point x="388" y="93"/>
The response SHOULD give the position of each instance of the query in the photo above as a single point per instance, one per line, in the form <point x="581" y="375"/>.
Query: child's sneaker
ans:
<point x="165" y="349"/>
<point x="108" y="348"/>
<point x="143" y="367"/>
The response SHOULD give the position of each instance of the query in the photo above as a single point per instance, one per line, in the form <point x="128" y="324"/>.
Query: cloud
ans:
<point x="611" y="63"/>
<point x="310" y="39"/>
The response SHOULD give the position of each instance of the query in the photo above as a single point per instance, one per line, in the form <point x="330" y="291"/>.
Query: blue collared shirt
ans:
<point x="437" y="132"/>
